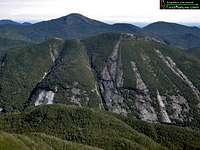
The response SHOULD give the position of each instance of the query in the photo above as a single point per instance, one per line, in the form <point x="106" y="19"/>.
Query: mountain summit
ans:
<point x="72" y="26"/>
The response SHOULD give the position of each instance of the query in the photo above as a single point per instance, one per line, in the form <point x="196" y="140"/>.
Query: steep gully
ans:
<point x="178" y="104"/>
<point x="45" y="95"/>
<point x="109" y="82"/>
<point x="172" y="65"/>
<point x="143" y="100"/>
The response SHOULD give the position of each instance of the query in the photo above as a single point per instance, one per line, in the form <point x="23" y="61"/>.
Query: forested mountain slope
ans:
<point x="121" y="73"/>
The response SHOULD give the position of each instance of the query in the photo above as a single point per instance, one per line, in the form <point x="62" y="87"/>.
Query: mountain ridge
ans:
<point x="119" y="72"/>
<point x="11" y="22"/>
<point x="174" y="34"/>
<point x="75" y="26"/>
<point x="72" y="26"/>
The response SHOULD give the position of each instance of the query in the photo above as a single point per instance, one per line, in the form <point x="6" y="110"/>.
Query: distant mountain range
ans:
<point x="175" y="34"/>
<point x="78" y="26"/>
<point x="69" y="27"/>
<point x="10" y="22"/>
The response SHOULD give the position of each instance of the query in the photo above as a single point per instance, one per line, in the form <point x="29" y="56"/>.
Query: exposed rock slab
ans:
<point x="179" y="107"/>
<point x="163" y="112"/>
<point x="143" y="100"/>
<point x="53" y="52"/>
<point x="111" y="78"/>
<point x="45" y="97"/>
<point x="172" y="65"/>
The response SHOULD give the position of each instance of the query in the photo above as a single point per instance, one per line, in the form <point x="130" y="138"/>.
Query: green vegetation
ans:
<point x="86" y="126"/>
<point x="72" y="76"/>
<point x="79" y="125"/>
<point x="170" y="136"/>
<point x="37" y="141"/>
<point x="7" y="44"/>
<point x="21" y="69"/>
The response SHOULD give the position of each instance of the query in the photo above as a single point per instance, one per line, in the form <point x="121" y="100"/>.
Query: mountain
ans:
<point x="71" y="127"/>
<point x="121" y="73"/>
<point x="8" y="22"/>
<point x="146" y="79"/>
<point x="72" y="26"/>
<point x="77" y="83"/>
<point x="21" y="68"/>
<point x="77" y="26"/>
<point x="175" y="34"/>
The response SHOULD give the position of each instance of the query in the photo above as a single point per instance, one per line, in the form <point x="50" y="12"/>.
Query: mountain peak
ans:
<point x="79" y="19"/>
<point x="75" y="15"/>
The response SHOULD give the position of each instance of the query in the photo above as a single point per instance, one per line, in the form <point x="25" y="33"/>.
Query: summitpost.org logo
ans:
<point x="179" y="4"/>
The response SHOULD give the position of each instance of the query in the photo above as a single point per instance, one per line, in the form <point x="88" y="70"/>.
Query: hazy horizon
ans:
<point x="129" y="11"/>
<point x="139" y="24"/>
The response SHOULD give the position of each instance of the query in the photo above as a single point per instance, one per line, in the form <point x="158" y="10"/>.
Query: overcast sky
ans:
<point x="104" y="10"/>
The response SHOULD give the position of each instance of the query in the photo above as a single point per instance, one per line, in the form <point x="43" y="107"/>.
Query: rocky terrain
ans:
<point x="121" y="73"/>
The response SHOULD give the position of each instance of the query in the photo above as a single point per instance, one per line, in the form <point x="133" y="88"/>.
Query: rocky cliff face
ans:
<point x="111" y="80"/>
<point x="122" y="73"/>
<point x="143" y="99"/>
<point x="69" y="80"/>
<point x="126" y="89"/>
